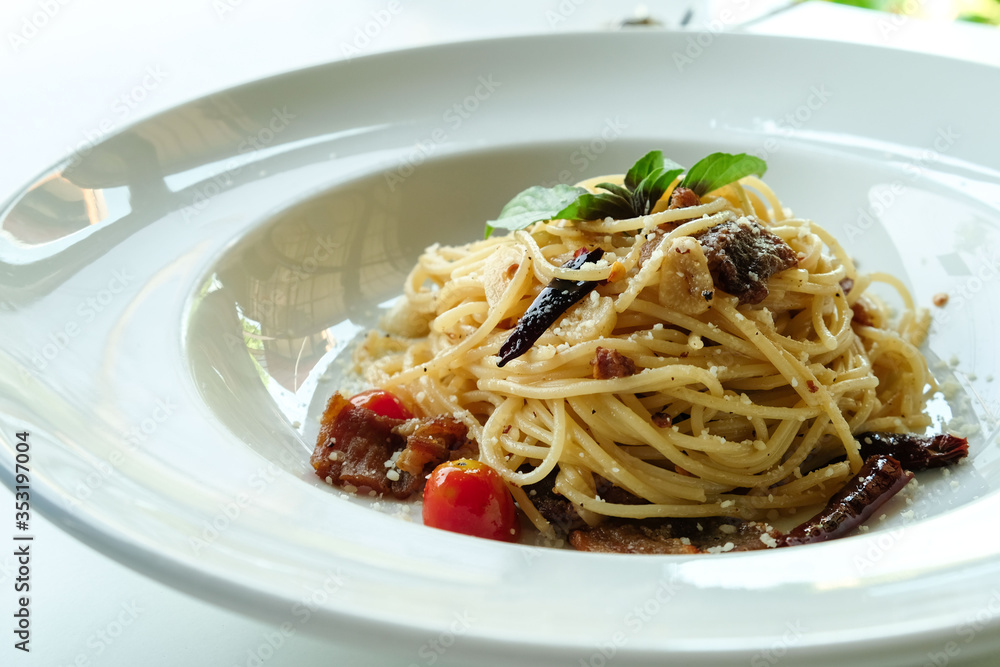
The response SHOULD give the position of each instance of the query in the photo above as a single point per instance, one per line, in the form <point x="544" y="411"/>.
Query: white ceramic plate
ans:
<point x="279" y="215"/>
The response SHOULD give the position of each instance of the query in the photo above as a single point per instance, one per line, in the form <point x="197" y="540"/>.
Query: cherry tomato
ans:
<point x="469" y="497"/>
<point x="381" y="402"/>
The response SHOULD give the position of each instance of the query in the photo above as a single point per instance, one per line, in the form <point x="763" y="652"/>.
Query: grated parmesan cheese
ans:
<point x="728" y="546"/>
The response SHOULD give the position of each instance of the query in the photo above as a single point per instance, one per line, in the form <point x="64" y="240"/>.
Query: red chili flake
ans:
<point x="663" y="420"/>
<point x="506" y="429"/>
<point x="812" y="386"/>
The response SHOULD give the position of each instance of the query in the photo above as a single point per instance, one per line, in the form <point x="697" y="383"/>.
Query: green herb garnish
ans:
<point x="719" y="169"/>
<point x="644" y="185"/>
<point x="534" y="204"/>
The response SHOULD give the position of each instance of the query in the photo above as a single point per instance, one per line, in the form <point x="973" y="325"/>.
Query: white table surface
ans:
<point x="70" y="69"/>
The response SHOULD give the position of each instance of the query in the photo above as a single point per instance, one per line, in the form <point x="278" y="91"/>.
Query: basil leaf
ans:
<point x="596" y="207"/>
<point x="619" y="202"/>
<point x="652" y="188"/>
<point x="616" y="190"/>
<point x="534" y="204"/>
<point x="719" y="169"/>
<point x="644" y="166"/>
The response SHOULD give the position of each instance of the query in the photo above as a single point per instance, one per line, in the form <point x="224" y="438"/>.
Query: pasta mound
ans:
<point x="731" y="406"/>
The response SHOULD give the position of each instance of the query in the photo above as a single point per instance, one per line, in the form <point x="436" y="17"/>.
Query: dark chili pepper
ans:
<point x="915" y="452"/>
<point x="879" y="479"/>
<point x="548" y="307"/>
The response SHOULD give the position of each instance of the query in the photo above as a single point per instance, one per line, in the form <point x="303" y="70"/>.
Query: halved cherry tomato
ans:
<point x="381" y="402"/>
<point x="469" y="497"/>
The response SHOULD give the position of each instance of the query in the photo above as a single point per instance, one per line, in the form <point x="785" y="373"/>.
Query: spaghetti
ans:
<point x="721" y="406"/>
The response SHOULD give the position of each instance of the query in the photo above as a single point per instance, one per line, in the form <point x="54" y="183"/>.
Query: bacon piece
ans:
<point x="679" y="198"/>
<point x="558" y="510"/>
<point x="354" y="444"/>
<point x="429" y="442"/>
<point x="683" y="198"/>
<point x="629" y="538"/>
<point x="651" y="244"/>
<point x="329" y="416"/>
<point x="616" y="494"/>
<point x="742" y="255"/>
<point x="861" y="314"/>
<point x="673" y="536"/>
<point x="611" y="364"/>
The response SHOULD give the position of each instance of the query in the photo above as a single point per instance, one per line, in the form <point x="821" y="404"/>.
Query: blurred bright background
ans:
<point x="976" y="11"/>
